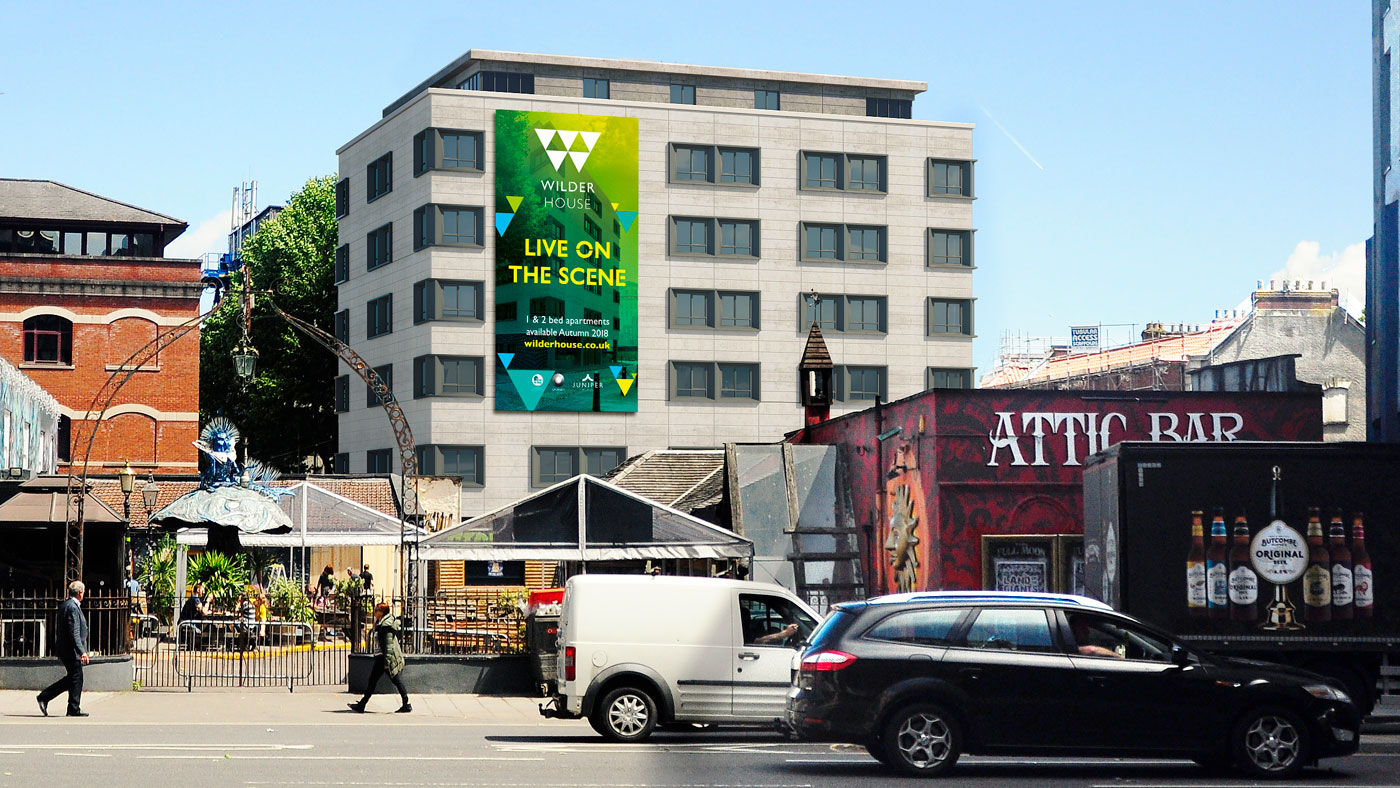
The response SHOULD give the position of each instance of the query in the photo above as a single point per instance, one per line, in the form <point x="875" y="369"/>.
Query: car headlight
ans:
<point x="1326" y="692"/>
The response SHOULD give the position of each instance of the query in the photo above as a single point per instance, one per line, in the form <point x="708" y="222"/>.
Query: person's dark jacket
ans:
<point x="387" y="639"/>
<point x="192" y="609"/>
<point x="72" y="635"/>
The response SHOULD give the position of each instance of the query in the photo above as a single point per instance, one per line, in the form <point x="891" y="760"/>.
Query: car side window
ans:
<point x="1096" y="636"/>
<point x="773" y="621"/>
<point x="1011" y="629"/>
<point x="919" y="627"/>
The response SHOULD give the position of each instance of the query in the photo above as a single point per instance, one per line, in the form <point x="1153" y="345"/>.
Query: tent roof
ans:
<point x="331" y="520"/>
<point x="584" y="518"/>
<point x="41" y="501"/>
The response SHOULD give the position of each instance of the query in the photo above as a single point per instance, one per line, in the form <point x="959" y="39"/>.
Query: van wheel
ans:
<point x="627" y="714"/>
<point x="922" y="740"/>
<point x="1270" y="743"/>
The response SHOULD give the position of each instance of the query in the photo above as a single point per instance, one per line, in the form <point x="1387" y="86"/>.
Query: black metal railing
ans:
<point x="28" y="622"/>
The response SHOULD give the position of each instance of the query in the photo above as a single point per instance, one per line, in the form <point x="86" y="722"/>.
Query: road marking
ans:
<point x="86" y="754"/>
<point x="297" y="757"/>
<point x="186" y="747"/>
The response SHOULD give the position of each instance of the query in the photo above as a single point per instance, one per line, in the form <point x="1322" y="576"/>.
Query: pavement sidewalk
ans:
<point x="273" y="707"/>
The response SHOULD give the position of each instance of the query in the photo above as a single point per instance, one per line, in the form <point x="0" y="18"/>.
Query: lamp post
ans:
<point x="150" y="495"/>
<point x="128" y="482"/>
<point x="245" y="359"/>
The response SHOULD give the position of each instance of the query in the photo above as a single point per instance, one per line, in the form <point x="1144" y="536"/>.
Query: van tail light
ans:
<point x="825" y="661"/>
<point x="570" y="672"/>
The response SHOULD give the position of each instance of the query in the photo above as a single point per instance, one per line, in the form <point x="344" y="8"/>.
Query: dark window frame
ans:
<point x="379" y="461"/>
<point x="966" y="192"/>
<point x="432" y="459"/>
<point x="841" y="312"/>
<point x="898" y="108"/>
<point x="379" y="316"/>
<point x="842" y="172"/>
<point x="681" y="92"/>
<point x="342" y="264"/>
<point x="430" y="223"/>
<point x="767" y="99"/>
<point x="379" y="246"/>
<point x="714" y="164"/>
<point x="379" y="177"/>
<point x="713" y="372"/>
<point x="340" y="325"/>
<point x="386" y="373"/>
<point x="430" y="150"/>
<point x="342" y="198"/>
<point x="591" y="87"/>
<point x="967" y="324"/>
<point x="428" y="376"/>
<point x="841" y="253"/>
<point x="342" y="393"/>
<point x="714" y="309"/>
<point x="930" y="379"/>
<point x="46" y="335"/>
<point x="966" y="254"/>
<point x="429" y="296"/>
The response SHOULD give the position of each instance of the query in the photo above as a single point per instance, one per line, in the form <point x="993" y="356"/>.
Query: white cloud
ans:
<point x="210" y="235"/>
<point x="1344" y="271"/>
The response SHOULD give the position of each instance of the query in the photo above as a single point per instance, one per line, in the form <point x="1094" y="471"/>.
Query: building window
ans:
<point x="596" y="88"/>
<point x="552" y="466"/>
<point x="843" y="242"/>
<point x="691" y="163"/>
<point x="342" y="263"/>
<point x="463" y="462"/>
<point x="845" y="313"/>
<point x="341" y="326"/>
<point x="765" y="99"/>
<point x="591" y="228"/>
<point x="377" y="461"/>
<point x="386" y="374"/>
<point x="600" y="462"/>
<point x="682" y="94"/>
<point x="889" y="108"/>
<point x="949" y="316"/>
<point x="379" y="316"/>
<point x="696" y="164"/>
<point x="48" y="339"/>
<point x="65" y="439"/>
<point x="379" y="177"/>
<point x="821" y="241"/>
<point x="499" y="82"/>
<point x="865" y="243"/>
<point x="696" y="308"/>
<point x="342" y="394"/>
<point x="843" y="172"/>
<point x="738" y="309"/>
<point x="507" y="313"/>
<point x="546" y="306"/>
<point x="691" y="307"/>
<point x="379" y="245"/>
<point x="446" y="299"/>
<point x="950" y="247"/>
<point x="340" y="463"/>
<point x="738" y="381"/>
<point x="864" y="384"/>
<point x="695" y="380"/>
<point x="446" y="149"/>
<point x="949" y="177"/>
<point x="942" y="378"/>
<point x="447" y="376"/>
<point x="342" y="198"/>
<point x="736" y="165"/>
<point x="690" y="236"/>
<point x="737" y="238"/>
<point x="867" y="173"/>
<point x="446" y="225"/>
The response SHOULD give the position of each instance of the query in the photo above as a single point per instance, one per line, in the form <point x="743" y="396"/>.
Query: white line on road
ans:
<point x="183" y="747"/>
<point x="298" y="757"/>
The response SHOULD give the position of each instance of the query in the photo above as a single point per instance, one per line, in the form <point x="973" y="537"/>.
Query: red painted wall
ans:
<point x="968" y="463"/>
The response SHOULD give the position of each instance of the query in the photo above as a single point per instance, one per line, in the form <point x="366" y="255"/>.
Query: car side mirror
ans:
<point x="1180" y="656"/>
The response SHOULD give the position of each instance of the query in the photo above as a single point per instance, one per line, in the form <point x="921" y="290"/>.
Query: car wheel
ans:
<point x="627" y="714"/>
<point x="1271" y="743"/>
<point x="922" y="741"/>
<point x="877" y="751"/>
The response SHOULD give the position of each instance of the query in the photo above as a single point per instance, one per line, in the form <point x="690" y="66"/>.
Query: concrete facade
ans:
<point x="818" y="114"/>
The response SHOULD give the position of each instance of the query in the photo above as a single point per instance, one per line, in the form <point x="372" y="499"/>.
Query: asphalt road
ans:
<point x="320" y="744"/>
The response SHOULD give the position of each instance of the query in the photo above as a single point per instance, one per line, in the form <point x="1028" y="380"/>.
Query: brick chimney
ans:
<point x="1294" y="295"/>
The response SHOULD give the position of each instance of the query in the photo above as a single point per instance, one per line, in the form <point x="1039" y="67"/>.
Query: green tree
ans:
<point x="286" y="413"/>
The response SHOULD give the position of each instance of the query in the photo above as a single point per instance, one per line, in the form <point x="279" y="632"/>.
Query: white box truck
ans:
<point x="638" y="651"/>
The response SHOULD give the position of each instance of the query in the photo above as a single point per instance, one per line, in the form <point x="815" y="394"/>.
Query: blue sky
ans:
<point x="1169" y="155"/>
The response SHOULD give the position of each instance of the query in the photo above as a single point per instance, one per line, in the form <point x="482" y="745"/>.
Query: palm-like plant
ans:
<point x="223" y="576"/>
<point x="156" y="574"/>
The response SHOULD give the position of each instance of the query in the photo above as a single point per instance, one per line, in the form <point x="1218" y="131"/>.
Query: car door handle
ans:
<point x="747" y="655"/>
<point x="972" y="674"/>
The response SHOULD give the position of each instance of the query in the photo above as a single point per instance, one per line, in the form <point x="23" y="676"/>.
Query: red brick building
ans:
<point x="84" y="284"/>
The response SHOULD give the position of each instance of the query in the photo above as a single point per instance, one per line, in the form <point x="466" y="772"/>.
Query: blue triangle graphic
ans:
<point x="530" y="392"/>
<point x="503" y="221"/>
<point x="506" y="358"/>
<point x="625" y="218"/>
<point x="616" y="371"/>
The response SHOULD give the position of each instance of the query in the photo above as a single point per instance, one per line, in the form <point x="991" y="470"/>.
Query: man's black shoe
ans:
<point x="43" y="705"/>
<point x="77" y="714"/>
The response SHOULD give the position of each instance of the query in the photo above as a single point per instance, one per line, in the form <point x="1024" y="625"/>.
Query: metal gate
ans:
<point x="223" y="652"/>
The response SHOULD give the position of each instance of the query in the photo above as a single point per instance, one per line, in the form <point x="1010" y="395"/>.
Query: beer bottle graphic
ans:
<point x="1363" y="592"/>
<point x="1317" y="578"/>
<point x="1217" y="571"/>
<point x="1342" y="595"/>
<point x="1196" y="569"/>
<point x="1244" y="581"/>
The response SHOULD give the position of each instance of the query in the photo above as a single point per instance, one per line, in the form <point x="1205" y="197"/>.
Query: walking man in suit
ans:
<point x="71" y="649"/>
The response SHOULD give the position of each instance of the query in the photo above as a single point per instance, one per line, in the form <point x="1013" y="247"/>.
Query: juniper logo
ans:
<point x="573" y="145"/>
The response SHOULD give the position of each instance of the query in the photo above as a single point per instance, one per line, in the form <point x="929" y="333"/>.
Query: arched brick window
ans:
<point x="48" y="339"/>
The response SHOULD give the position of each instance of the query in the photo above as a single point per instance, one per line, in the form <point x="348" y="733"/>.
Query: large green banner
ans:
<point x="566" y="262"/>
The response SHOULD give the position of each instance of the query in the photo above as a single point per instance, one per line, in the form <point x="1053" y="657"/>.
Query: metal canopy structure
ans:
<point x="584" y="519"/>
<point x="320" y="518"/>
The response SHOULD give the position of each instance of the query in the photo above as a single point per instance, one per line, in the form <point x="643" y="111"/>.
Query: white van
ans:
<point x="637" y="651"/>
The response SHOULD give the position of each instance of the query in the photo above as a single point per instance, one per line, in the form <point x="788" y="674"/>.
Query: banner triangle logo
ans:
<point x="579" y="158"/>
<point x="514" y="202"/>
<point x="546" y="136"/>
<point x="568" y="137"/>
<point x="625" y="385"/>
<point x="506" y="358"/>
<point x="503" y="221"/>
<point x="590" y="138"/>
<point x="530" y="384"/>
<point x="616" y="370"/>
<point x="556" y="157"/>
<point x="626" y="218"/>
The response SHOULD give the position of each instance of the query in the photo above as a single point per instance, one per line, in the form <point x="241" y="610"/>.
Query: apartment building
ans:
<point x="753" y="191"/>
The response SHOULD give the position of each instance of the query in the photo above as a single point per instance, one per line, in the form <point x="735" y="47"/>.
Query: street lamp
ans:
<point x="128" y="482"/>
<point x="245" y="359"/>
<point x="150" y="494"/>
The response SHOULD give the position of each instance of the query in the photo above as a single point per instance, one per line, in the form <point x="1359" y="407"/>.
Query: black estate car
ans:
<point x="921" y="678"/>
